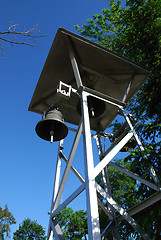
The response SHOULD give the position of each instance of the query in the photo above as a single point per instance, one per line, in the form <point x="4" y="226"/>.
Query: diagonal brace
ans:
<point x="68" y="166"/>
<point x="122" y="212"/>
<point x="134" y="175"/>
<point x="58" y="235"/>
<point x="83" y="181"/>
<point x="100" y="166"/>
<point x="152" y="171"/>
<point x="69" y="199"/>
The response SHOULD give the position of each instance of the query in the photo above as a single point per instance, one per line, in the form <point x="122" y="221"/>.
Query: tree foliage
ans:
<point x="134" y="31"/>
<point x="73" y="224"/>
<point x="6" y="220"/>
<point x="29" y="230"/>
<point x="124" y="192"/>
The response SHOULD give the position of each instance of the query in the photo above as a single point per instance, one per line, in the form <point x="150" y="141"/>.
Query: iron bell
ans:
<point x="96" y="107"/>
<point x="52" y="127"/>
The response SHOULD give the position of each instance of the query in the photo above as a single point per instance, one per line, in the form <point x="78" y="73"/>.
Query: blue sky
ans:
<point x="27" y="162"/>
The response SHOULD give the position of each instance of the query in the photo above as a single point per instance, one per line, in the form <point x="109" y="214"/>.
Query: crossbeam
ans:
<point x="69" y="199"/>
<point x="111" y="154"/>
<point x="83" y="181"/>
<point x="152" y="171"/>
<point x="122" y="212"/>
<point x="134" y="175"/>
<point x="156" y="197"/>
<point x="153" y="199"/>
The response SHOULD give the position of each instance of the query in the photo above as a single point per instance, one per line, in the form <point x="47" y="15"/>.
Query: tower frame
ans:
<point x="89" y="184"/>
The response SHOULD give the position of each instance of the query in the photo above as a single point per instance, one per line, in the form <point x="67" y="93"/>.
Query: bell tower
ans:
<point x="87" y="85"/>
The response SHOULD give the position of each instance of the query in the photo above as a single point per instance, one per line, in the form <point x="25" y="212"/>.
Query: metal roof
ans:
<point x="100" y="69"/>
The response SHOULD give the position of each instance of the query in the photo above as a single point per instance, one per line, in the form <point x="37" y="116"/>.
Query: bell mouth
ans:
<point x="52" y="127"/>
<point x="96" y="107"/>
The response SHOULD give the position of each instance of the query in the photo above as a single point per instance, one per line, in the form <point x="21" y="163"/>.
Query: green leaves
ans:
<point x="29" y="230"/>
<point x="73" y="224"/>
<point x="6" y="220"/>
<point x="135" y="32"/>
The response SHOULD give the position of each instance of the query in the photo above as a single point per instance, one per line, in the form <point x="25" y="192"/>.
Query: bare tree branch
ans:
<point x="14" y="36"/>
<point x="14" y="42"/>
<point x="2" y="50"/>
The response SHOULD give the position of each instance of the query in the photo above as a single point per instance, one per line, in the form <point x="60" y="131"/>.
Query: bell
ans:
<point x="52" y="127"/>
<point x="96" y="107"/>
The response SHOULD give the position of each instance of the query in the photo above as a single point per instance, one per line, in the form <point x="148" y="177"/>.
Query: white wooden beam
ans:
<point x="68" y="166"/>
<point x="111" y="154"/>
<point x="58" y="235"/>
<point x="91" y="195"/>
<point x="122" y="212"/>
<point x="134" y="175"/>
<point x="69" y="199"/>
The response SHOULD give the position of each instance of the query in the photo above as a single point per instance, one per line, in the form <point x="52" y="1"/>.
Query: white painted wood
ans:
<point x="103" y="97"/>
<point x="50" y="236"/>
<point x="128" y="89"/>
<point x="134" y="175"/>
<point x="74" y="63"/>
<point x="111" y="154"/>
<point x="69" y="199"/>
<point x="152" y="171"/>
<point x="68" y="166"/>
<point x="106" y="211"/>
<point x="73" y="169"/>
<point x="91" y="195"/>
<point x="58" y="235"/>
<point x="56" y="187"/>
<point x="156" y="197"/>
<point x="107" y="188"/>
<point x="122" y="212"/>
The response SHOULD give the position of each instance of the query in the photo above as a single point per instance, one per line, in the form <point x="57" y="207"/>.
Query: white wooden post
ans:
<point x="91" y="195"/>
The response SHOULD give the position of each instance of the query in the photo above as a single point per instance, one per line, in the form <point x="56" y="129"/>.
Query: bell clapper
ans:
<point x="52" y="136"/>
<point x="92" y="112"/>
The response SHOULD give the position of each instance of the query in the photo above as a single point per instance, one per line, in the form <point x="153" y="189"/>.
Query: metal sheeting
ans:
<point x="100" y="69"/>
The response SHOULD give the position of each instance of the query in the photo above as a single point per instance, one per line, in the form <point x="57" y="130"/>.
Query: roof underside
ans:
<point x="100" y="69"/>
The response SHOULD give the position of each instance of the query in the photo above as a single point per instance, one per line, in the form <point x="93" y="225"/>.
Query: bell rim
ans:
<point x="47" y="138"/>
